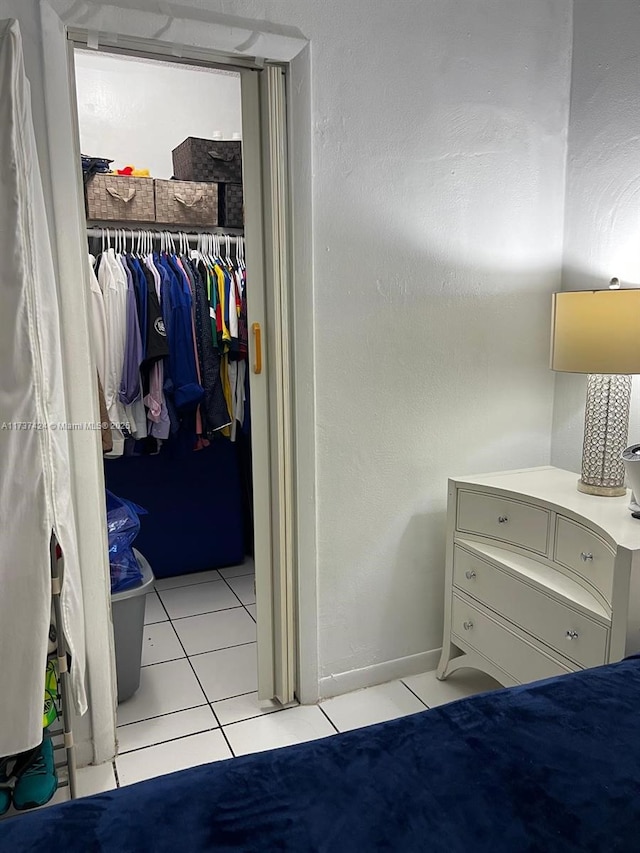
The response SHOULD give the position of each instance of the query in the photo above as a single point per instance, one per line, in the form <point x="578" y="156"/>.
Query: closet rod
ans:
<point x="192" y="236"/>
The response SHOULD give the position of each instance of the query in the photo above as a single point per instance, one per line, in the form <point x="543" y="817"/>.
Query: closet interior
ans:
<point x="161" y="147"/>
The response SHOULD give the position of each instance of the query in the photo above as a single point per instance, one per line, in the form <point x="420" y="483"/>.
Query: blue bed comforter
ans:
<point x="553" y="766"/>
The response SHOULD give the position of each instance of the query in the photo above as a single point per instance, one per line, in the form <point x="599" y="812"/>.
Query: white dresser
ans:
<point x="540" y="578"/>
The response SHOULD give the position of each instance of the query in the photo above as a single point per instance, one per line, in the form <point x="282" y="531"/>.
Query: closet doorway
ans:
<point x="212" y="469"/>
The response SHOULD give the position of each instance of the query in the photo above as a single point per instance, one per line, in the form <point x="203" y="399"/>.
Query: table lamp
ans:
<point x="597" y="332"/>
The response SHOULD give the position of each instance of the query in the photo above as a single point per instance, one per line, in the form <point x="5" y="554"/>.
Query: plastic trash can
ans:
<point x="127" y="609"/>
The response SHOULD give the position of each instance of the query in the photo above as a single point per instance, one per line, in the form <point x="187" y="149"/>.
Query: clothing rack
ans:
<point x="98" y="232"/>
<point x="144" y="240"/>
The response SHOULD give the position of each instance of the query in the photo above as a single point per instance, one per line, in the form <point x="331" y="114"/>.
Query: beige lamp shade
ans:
<point x="596" y="331"/>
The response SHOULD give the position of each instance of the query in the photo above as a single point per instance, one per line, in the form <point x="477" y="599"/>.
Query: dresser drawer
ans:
<point x="579" y="549"/>
<point x="494" y="641"/>
<point x="503" y="519"/>
<point x="572" y="634"/>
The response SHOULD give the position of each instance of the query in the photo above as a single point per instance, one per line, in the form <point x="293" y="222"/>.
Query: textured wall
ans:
<point x="137" y="112"/>
<point x="438" y="169"/>
<point x="439" y="141"/>
<point x="602" y="232"/>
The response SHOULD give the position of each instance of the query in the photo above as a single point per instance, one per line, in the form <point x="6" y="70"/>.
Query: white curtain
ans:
<point x="35" y="491"/>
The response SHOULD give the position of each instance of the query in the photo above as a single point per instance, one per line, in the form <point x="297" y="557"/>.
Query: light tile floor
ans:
<point x="197" y="700"/>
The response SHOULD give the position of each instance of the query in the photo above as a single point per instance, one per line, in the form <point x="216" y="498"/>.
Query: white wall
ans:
<point x="438" y="148"/>
<point x="438" y="181"/>
<point x="135" y="112"/>
<point x="602" y="231"/>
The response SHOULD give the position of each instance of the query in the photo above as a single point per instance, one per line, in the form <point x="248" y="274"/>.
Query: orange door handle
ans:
<point x="257" y="347"/>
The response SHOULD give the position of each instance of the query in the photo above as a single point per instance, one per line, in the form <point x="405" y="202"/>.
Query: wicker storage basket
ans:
<point x="186" y="203"/>
<point x="231" y="205"/>
<point x="121" y="198"/>
<point x="215" y="160"/>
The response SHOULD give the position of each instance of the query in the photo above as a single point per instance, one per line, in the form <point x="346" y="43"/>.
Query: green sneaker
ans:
<point x="5" y="788"/>
<point x="50" y="714"/>
<point x="39" y="782"/>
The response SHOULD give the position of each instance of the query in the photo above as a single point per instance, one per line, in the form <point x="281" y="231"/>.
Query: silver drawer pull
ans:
<point x="586" y="557"/>
<point x="470" y="575"/>
<point x="503" y="519"/>
<point x="572" y="635"/>
<point x="468" y="625"/>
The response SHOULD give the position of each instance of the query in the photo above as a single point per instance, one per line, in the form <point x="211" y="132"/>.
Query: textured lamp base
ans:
<point x="602" y="491"/>
<point x="606" y="425"/>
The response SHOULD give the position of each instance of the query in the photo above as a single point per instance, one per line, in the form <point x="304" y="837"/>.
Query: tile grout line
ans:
<point x="197" y="583"/>
<point x="328" y="718"/>
<point x="182" y="585"/>
<point x="233" y="590"/>
<point x="206" y="613"/>
<point x="188" y="658"/>
<point x="192" y="707"/>
<point x="428" y="707"/>
<point x="168" y="714"/>
<point x="224" y="735"/>
<point x="222" y="649"/>
<point x="162" y="604"/>
<point x="198" y="654"/>
<point x="255" y="716"/>
<point x="172" y="739"/>
<point x="215" y="716"/>
<point x="166" y="660"/>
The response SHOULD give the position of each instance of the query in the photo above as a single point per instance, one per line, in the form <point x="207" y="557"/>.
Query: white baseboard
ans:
<point x="379" y="673"/>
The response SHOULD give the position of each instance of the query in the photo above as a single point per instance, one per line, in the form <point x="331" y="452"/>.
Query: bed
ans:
<point x="553" y="766"/>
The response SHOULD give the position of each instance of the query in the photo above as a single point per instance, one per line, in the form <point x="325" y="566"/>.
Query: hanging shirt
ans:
<point x="222" y="327"/>
<point x="98" y="322"/>
<point x="243" y="324"/>
<point x="157" y="345"/>
<point x="133" y="352"/>
<point x="156" y="338"/>
<point x="113" y="283"/>
<point x="140" y="284"/>
<point x="214" y="407"/>
<point x="182" y="268"/>
<point x="176" y="308"/>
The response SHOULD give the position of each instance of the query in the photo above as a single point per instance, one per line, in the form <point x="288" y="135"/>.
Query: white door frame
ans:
<point x="202" y="36"/>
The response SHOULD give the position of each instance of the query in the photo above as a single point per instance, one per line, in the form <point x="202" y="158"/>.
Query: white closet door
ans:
<point x="268" y="301"/>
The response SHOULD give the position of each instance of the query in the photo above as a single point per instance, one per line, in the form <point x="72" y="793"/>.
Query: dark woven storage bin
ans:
<point x="186" y="203"/>
<point x="120" y="198"/>
<point x="215" y="160"/>
<point x="231" y="205"/>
